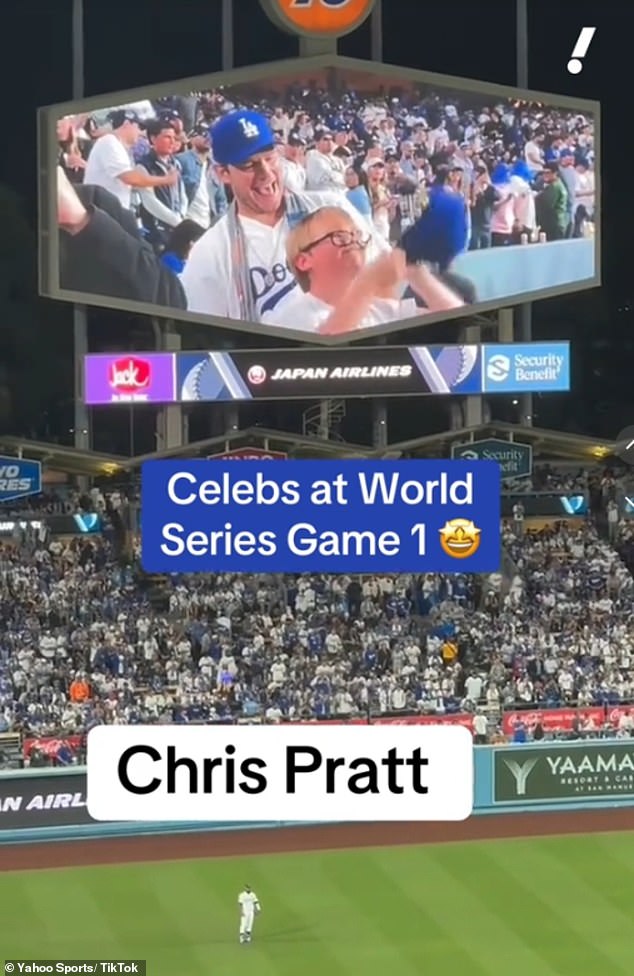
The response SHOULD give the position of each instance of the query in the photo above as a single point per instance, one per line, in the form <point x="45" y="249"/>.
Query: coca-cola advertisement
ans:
<point x="53" y="749"/>
<point x="463" y="718"/>
<point x="556" y="719"/>
<point x="130" y="378"/>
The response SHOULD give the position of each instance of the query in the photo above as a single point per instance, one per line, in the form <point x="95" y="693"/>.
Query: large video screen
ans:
<point x="302" y="374"/>
<point x="326" y="199"/>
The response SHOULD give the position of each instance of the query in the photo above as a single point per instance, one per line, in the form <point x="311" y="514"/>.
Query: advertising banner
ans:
<point x="137" y="378"/>
<point x="249" y="454"/>
<point x="51" y="745"/>
<point x="303" y="374"/>
<point x="520" y="369"/>
<point x="564" y="719"/>
<point x="103" y="244"/>
<point x="515" y="460"/>
<point x="47" y="800"/>
<point x="201" y="516"/>
<point x="589" y="771"/>
<point x="82" y="523"/>
<point x="554" y="719"/>
<point x="459" y="719"/>
<point x="19" y="478"/>
<point x="291" y="374"/>
<point x="546" y="504"/>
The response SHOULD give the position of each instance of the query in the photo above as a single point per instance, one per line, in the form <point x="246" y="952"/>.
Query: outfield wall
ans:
<point x="39" y="805"/>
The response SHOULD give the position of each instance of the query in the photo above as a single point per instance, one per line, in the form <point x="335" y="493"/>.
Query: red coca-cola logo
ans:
<point x="130" y="375"/>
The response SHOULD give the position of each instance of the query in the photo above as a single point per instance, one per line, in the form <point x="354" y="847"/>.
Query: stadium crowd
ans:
<point x="437" y="172"/>
<point x="86" y="639"/>
<point x="525" y="171"/>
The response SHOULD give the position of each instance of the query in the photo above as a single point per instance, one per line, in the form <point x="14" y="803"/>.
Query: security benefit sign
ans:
<point x="515" y="460"/>
<point x="302" y="773"/>
<point x="19" y="478"/>
<point x="205" y="516"/>
<point x="595" y="769"/>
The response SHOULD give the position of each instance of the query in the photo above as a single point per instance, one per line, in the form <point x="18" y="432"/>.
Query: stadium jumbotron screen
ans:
<point x="324" y="199"/>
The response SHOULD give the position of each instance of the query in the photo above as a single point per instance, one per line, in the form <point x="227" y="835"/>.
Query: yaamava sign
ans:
<point x="594" y="769"/>
<point x="515" y="460"/>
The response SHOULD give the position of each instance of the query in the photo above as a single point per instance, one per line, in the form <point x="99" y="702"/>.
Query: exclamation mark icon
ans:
<point x="575" y="65"/>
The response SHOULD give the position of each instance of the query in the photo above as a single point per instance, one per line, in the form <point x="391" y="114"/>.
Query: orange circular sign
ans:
<point x="318" y="18"/>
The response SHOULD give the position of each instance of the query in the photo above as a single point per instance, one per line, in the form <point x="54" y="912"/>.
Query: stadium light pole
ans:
<point x="232" y="410"/>
<point x="379" y="407"/>
<point x="524" y="313"/>
<point x="82" y="436"/>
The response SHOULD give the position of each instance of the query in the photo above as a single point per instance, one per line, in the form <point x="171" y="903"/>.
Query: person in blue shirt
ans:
<point x="179" y="245"/>
<point x="358" y="194"/>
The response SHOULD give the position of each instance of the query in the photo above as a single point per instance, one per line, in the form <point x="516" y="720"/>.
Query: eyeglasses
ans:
<point x="340" y="238"/>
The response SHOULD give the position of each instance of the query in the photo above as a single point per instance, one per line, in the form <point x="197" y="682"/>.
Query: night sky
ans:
<point x="129" y="43"/>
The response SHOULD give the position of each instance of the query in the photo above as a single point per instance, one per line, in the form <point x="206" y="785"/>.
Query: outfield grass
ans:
<point x="545" y="907"/>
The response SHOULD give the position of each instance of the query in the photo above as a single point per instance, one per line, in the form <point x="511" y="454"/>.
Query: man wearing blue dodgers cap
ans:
<point x="238" y="269"/>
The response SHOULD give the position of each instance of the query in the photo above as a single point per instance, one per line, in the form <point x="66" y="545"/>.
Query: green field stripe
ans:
<point x="401" y="918"/>
<point x="619" y="853"/>
<point x="593" y="919"/>
<point x="548" y="904"/>
<point x="602" y="862"/>
<point x="21" y="913"/>
<point x="342" y="916"/>
<point x="58" y="901"/>
<point x="453" y="894"/>
<point x="128" y="897"/>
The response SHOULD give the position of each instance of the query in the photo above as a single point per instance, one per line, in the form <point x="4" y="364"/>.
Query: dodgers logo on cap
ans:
<point x="318" y="18"/>
<point x="239" y="135"/>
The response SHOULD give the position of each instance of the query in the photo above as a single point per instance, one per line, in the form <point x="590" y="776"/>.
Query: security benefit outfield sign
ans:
<point x="320" y="516"/>
<point x="595" y="769"/>
<point x="258" y="773"/>
<point x="515" y="460"/>
<point x="19" y="478"/>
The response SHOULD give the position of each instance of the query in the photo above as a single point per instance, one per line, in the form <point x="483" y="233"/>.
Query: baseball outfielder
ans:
<point x="249" y="908"/>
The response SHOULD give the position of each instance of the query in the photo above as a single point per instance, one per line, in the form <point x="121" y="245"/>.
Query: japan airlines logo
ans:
<point x="130" y="375"/>
<point x="256" y="375"/>
<point x="498" y="368"/>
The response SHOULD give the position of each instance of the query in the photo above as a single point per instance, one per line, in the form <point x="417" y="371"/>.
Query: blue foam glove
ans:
<point x="441" y="233"/>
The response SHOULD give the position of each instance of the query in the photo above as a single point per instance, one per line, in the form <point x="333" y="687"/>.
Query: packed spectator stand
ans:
<point x="544" y="648"/>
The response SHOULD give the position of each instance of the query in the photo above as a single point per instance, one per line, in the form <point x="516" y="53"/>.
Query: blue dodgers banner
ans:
<point x="19" y="478"/>
<point x="210" y="516"/>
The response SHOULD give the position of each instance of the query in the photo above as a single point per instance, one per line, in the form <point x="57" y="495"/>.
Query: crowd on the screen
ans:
<point x="87" y="639"/>
<point x="521" y="173"/>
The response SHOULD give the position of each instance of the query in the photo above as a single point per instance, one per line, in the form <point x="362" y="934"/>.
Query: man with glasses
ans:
<point x="324" y="169"/>
<point x="238" y="268"/>
<point x="342" y="290"/>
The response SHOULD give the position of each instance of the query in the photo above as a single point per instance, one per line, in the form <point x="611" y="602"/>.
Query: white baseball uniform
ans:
<point x="249" y="907"/>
